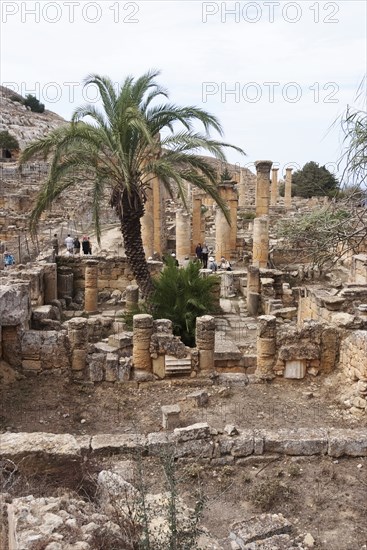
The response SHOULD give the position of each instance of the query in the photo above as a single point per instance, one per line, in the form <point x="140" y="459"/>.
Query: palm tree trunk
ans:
<point x="131" y="232"/>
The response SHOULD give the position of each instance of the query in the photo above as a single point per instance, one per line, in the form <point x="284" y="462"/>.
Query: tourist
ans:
<point x="186" y="261"/>
<point x="55" y="247"/>
<point x="204" y="255"/>
<point x="86" y="246"/>
<point x="225" y="264"/>
<point x="173" y="255"/>
<point x="212" y="264"/>
<point x="8" y="259"/>
<point x="69" y="243"/>
<point x="198" y="251"/>
<point x="76" y="246"/>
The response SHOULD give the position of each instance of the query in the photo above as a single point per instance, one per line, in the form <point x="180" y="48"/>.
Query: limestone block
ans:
<point x="118" y="443"/>
<point x="258" y="528"/>
<point x="96" y="366"/>
<point x="295" y="369"/>
<point x="206" y="359"/>
<point x="159" y="366"/>
<point x="200" y="398"/>
<point x="160" y="443"/>
<point x="244" y="444"/>
<point x="347" y="442"/>
<point x="198" y="449"/>
<point x="124" y="372"/>
<point x="302" y="442"/>
<point x="17" y="445"/>
<point x="170" y="416"/>
<point x="15" y="304"/>
<point x="111" y="367"/>
<point x="201" y="430"/>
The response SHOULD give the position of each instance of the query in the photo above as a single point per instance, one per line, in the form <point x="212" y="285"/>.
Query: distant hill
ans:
<point x="21" y="122"/>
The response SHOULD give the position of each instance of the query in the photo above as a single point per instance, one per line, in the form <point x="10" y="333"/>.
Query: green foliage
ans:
<point x="117" y="148"/>
<point x="7" y="141"/>
<point x="182" y="295"/>
<point x="226" y="175"/>
<point x="248" y="215"/>
<point x="314" y="180"/>
<point x="324" y="235"/>
<point x="35" y="105"/>
<point x="354" y="125"/>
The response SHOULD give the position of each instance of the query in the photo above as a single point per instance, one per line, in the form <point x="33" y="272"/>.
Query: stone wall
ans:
<point x="340" y="308"/>
<point x="113" y="273"/>
<point x="353" y="362"/>
<point x="358" y="270"/>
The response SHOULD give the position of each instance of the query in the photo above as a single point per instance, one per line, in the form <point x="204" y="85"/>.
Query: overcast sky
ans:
<point x="277" y="74"/>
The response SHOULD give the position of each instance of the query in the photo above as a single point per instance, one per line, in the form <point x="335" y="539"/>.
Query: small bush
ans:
<point x="268" y="493"/>
<point x="248" y="215"/>
<point x="7" y="141"/>
<point x="35" y="105"/>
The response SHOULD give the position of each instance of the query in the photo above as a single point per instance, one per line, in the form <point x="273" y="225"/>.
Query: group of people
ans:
<point x="202" y="254"/>
<point x="73" y="245"/>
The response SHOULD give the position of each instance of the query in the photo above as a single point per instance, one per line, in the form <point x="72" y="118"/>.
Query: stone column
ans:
<point x="91" y="287"/>
<point x="198" y="235"/>
<point x="183" y="234"/>
<point x="262" y="187"/>
<point x="50" y="283"/>
<point x="131" y="297"/>
<point x="78" y="338"/>
<point x="253" y="290"/>
<point x="288" y="189"/>
<point x="227" y="289"/>
<point x="242" y="190"/>
<point x="226" y="234"/>
<point x="147" y="225"/>
<point x="142" y="332"/>
<point x="260" y="249"/>
<point x="205" y="341"/>
<point x="233" y="207"/>
<point x="65" y="282"/>
<point x="274" y="187"/>
<point x="266" y="346"/>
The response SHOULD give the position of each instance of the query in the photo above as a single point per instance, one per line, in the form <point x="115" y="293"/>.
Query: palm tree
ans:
<point x="118" y="148"/>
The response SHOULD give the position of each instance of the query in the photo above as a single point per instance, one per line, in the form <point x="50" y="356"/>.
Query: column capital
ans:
<point x="263" y="165"/>
<point x="288" y="169"/>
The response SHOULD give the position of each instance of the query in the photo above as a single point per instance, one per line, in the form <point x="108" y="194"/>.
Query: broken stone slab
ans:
<point x="160" y="443"/>
<point x="200" y="397"/>
<point x="112" y="485"/>
<point x="18" y="445"/>
<point x="118" y="443"/>
<point x="104" y="348"/>
<point x="243" y="445"/>
<point x="201" y="430"/>
<point x="15" y="304"/>
<point x="347" y="442"/>
<point x="258" y="528"/>
<point x="233" y="379"/>
<point x="303" y="441"/>
<point x="170" y="416"/>
<point x="121" y="340"/>
<point x="197" y="448"/>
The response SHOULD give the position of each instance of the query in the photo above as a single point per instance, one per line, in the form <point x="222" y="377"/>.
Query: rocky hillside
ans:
<point x="21" y="122"/>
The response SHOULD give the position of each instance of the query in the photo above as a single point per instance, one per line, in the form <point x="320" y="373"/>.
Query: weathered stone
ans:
<point x="17" y="445"/>
<point x="201" y="430"/>
<point x="243" y="445"/>
<point x="200" y="397"/>
<point x="347" y="442"/>
<point x="15" y="304"/>
<point x="259" y="528"/>
<point x="170" y="416"/>
<point x="118" y="443"/>
<point x="303" y="441"/>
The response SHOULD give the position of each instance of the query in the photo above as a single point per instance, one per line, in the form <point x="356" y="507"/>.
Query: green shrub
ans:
<point x="248" y="215"/>
<point x="7" y="141"/>
<point x="35" y="105"/>
<point x="182" y="295"/>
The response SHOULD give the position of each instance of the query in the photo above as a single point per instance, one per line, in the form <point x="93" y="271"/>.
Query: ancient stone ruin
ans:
<point x="281" y="325"/>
